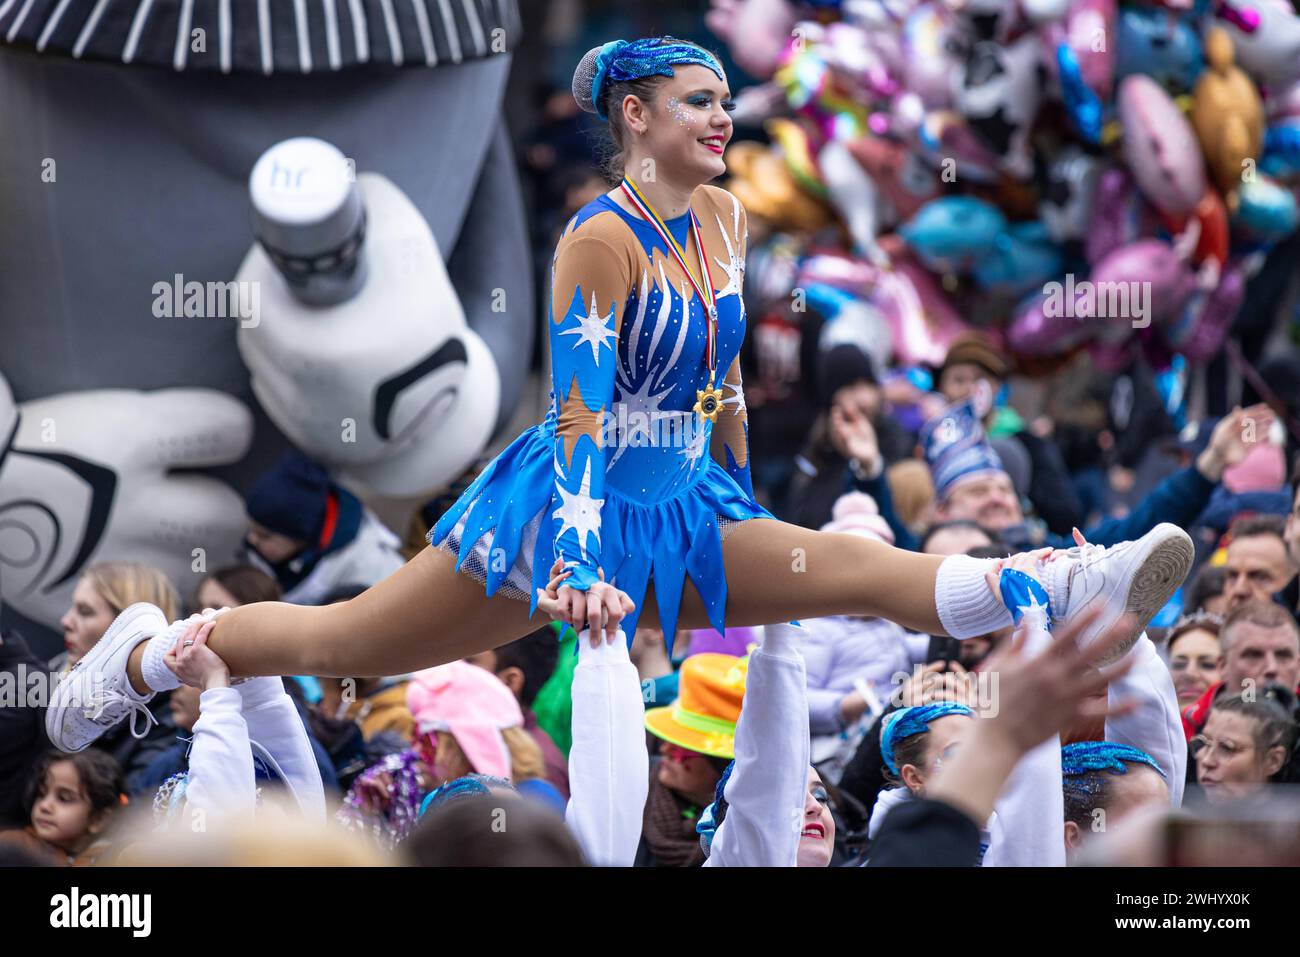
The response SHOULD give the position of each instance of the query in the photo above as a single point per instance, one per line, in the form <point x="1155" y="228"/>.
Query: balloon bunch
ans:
<point x="1067" y="174"/>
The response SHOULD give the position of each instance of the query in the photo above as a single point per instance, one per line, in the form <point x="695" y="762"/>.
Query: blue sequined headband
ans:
<point x="906" y="722"/>
<point x="623" y="60"/>
<point x="1083" y="757"/>
<point x="463" y="787"/>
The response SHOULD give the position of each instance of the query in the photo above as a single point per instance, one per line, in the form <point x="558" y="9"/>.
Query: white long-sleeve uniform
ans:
<point x="769" y="784"/>
<point x="231" y="720"/>
<point x="609" y="766"/>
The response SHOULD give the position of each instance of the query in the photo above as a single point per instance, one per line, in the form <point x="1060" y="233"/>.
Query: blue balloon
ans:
<point x="952" y="233"/>
<point x="1266" y="209"/>
<point x="1020" y="259"/>
<point x="1160" y="44"/>
<point x="1282" y="150"/>
<point x="1083" y="105"/>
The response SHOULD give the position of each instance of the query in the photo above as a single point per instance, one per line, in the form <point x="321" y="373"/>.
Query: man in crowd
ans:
<point x="1258" y="565"/>
<point x="1259" y="647"/>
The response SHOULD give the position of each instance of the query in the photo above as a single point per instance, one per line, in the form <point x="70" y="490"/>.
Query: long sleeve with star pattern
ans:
<point x="590" y="285"/>
<point x="729" y="444"/>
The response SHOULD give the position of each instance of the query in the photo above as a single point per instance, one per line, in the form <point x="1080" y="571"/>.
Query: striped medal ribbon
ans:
<point x="708" y="400"/>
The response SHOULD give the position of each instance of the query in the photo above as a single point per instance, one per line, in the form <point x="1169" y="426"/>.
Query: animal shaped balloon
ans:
<point x="1227" y="114"/>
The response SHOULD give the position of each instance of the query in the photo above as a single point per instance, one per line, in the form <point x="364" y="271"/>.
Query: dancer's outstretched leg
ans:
<point x="777" y="571"/>
<point x="423" y="614"/>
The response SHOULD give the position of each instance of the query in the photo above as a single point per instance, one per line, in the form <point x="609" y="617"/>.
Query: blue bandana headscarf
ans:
<point x="906" y="722"/>
<point x="623" y="60"/>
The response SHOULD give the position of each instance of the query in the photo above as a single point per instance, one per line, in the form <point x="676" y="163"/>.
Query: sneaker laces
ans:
<point x="109" y="706"/>
<point x="1082" y="555"/>
<point x="1081" y="558"/>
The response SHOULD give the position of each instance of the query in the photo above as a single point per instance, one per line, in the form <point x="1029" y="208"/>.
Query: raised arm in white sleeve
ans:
<point x="275" y="724"/>
<point x="1154" y="726"/>
<point x="769" y="784"/>
<point x="1029" y="814"/>
<point x="609" y="766"/>
<point x="221" y="782"/>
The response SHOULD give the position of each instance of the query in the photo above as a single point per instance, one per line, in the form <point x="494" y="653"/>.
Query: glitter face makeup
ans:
<point x="678" y="112"/>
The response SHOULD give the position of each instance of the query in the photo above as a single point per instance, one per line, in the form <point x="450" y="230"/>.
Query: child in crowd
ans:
<point x="72" y="799"/>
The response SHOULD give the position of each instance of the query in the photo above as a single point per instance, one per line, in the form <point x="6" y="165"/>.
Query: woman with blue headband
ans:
<point x="1104" y="782"/>
<point x="639" y="476"/>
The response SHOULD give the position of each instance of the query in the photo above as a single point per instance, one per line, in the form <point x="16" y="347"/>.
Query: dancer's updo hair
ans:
<point x="610" y="72"/>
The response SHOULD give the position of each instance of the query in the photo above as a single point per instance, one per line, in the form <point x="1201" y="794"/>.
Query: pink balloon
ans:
<point x="1040" y="328"/>
<point x="901" y="175"/>
<point x="1120" y="215"/>
<point x="1131" y="288"/>
<point x="1199" y="332"/>
<point x="1091" y="24"/>
<point x="1160" y="148"/>
<point x="922" y="320"/>
<point x="1150" y="270"/>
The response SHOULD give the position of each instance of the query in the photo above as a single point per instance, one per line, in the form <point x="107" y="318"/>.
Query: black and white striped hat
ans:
<point x="264" y="36"/>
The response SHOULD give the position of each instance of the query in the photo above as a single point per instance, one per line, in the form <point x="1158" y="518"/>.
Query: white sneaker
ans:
<point x="97" y="694"/>
<point x="1136" y="577"/>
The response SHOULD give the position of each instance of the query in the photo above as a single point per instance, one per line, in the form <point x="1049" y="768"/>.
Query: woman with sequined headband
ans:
<point x="639" y="476"/>
<point x="1104" y="782"/>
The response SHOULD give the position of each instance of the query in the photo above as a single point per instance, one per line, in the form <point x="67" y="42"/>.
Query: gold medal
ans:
<point x="708" y="401"/>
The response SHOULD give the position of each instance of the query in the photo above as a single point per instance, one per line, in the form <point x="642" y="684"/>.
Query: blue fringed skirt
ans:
<point x="503" y="534"/>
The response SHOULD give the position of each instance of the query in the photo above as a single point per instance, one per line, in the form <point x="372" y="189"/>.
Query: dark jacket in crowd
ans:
<point x="825" y="475"/>
<point x="22" y="728"/>
<point x="924" y="833"/>
<point x="1050" y="489"/>
<point x="134" y="755"/>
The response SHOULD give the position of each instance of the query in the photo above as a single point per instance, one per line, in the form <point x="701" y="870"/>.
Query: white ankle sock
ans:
<point x="967" y="608"/>
<point x="156" y="673"/>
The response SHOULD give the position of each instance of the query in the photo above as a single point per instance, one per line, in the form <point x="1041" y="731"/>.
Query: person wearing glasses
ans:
<point x="1245" y="745"/>
<point x="1259" y="648"/>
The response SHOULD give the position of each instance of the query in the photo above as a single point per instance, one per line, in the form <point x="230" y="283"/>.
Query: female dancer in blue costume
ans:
<point x="639" y="477"/>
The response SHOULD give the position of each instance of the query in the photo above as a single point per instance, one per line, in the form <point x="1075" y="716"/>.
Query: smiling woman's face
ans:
<point x="687" y="126"/>
<point x="817" y="839"/>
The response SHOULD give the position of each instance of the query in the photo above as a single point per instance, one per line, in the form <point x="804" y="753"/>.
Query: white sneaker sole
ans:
<point x="1161" y="566"/>
<point x="121" y="630"/>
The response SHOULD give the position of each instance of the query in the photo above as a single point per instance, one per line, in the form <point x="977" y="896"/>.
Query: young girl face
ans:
<point x="1194" y="664"/>
<point x="944" y="736"/>
<point x="63" y="814"/>
<point x="689" y="125"/>
<point x="1228" y="762"/>
<point x="86" y="621"/>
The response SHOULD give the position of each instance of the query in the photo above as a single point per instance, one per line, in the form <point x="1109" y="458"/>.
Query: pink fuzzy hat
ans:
<point x="472" y="705"/>
<point x="857" y="514"/>
<point x="1262" y="470"/>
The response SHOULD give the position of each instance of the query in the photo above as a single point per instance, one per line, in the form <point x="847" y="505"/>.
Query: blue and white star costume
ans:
<point x="622" y="476"/>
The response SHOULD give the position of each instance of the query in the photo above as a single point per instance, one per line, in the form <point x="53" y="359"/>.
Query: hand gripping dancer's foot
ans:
<point x="638" y="479"/>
